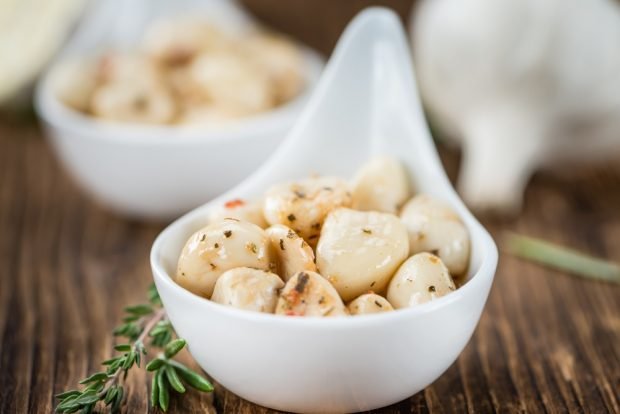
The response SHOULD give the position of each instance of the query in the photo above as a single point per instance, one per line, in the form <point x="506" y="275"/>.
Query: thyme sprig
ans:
<point x="144" y="325"/>
<point x="173" y="373"/>
<point x="562" y="258"/>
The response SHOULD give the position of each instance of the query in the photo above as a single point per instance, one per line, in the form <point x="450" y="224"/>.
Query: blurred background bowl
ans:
<point x="159" y="172"/>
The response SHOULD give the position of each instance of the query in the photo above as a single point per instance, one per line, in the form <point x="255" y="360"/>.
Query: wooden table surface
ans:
<point x="546" y="342"/>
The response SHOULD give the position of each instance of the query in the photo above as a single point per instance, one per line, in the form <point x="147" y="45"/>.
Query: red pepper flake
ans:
<point x="234" y="203"/>
<point x="292" y="298"/>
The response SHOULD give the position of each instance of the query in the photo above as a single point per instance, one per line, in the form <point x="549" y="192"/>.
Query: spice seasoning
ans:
<point x="234" y="203"/>
<point x="302" y="282"/>
<point x="252" y="247"/>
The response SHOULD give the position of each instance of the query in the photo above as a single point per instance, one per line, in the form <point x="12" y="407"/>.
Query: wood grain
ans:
<point x="318" y="23"/>
<point x="547" y="342"/>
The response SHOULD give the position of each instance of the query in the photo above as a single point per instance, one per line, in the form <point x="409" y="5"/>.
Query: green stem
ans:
<point x="157" y="316"/>
<point x="562" y="258"/>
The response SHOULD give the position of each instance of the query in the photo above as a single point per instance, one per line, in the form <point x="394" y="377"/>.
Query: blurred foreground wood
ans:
<point x="547" y="342"/>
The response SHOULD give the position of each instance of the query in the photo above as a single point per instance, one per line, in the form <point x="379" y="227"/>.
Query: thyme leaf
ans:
<point x="106" y="388"/>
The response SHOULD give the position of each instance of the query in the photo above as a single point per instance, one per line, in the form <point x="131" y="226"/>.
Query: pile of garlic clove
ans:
<point x="185" y="71"/>
<point x="324" y="247"/>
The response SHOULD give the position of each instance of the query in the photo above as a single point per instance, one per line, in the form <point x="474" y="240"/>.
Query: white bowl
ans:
<point x="159" y="172"/>
<point x="350" y="363"/>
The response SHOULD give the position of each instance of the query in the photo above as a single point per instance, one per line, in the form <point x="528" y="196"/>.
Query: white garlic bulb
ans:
<point x="521" y="84"/>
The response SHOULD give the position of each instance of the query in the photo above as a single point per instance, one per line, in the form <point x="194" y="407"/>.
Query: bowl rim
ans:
<point x="60" y="116"/>
<point x="484" y="275"/>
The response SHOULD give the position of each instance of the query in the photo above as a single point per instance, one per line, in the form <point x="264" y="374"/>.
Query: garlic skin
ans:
<point x="303" y="205"/>
<point x="249" y="289"/>
<point x="133" y="90"/>
<point x="309" y="294"/>
<point x="434" y="227"/>
<point x="219" y="247"/>
<point x="360" y="250"/>
<point x="137" y="102"/>
<point x="75" y="83"/>
<point x="173" y="41"/>
<point x="290" y="251"/>
<point x="382" y="185"/>
<point x="369" y="303"/>
<point x="422" y="278"/>
<point x="521" y="85"/>
<point x="281" y="60"/>
<point x="232" y="82"/>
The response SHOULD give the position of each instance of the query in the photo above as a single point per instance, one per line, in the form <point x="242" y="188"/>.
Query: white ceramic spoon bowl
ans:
<point x="365" y="103"/>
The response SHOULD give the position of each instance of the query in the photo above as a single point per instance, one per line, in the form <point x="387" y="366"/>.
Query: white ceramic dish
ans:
<point x="159" y="172"/>
<point x="365" y="103"/>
